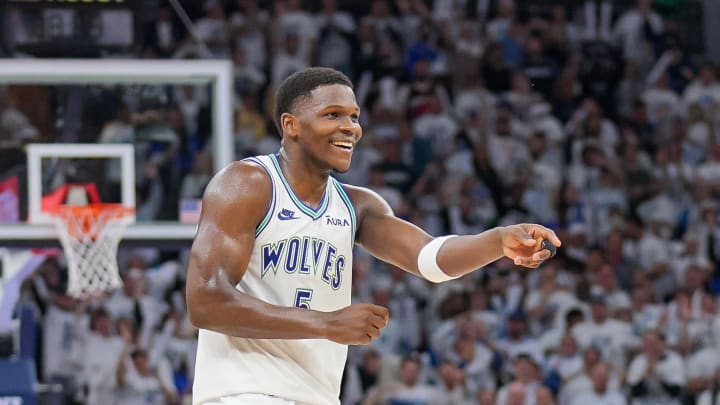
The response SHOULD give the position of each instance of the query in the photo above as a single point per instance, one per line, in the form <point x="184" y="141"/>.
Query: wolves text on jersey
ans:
<point x="304" y="255"/>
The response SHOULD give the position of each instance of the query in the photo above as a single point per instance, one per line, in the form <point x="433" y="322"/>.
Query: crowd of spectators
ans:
<point x="591" y="118"/>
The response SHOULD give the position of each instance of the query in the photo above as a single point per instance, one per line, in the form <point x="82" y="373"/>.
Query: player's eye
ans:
<point x="354" y="117"/>
<point x="331" y="115"/>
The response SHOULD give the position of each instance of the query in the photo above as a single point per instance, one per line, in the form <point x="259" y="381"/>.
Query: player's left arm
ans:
<point x="399" y="242"/>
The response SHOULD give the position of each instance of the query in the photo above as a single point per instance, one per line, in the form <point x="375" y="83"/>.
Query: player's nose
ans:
<point x="351" y="128"/>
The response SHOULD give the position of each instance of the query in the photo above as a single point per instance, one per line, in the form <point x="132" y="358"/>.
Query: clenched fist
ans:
<point x="357" y="324"/>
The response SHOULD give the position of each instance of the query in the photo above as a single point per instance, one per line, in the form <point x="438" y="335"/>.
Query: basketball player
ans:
<point x="270" y="269"/>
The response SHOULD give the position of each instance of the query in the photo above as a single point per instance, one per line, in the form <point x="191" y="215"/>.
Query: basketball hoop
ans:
<point x="90" y="235"/>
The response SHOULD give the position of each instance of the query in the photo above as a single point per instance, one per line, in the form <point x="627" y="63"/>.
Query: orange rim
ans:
<point x="81" y="220"/>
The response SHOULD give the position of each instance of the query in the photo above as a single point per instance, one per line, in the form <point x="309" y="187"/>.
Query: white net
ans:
<point x="90" y="238"/>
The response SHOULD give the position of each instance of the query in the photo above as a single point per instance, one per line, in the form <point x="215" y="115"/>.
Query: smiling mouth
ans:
<point x="347" y="145"/>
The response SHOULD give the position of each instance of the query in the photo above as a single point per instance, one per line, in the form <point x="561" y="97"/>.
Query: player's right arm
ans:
<point x="233" y="205"/>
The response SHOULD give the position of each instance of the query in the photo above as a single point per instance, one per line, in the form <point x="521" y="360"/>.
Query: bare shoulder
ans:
<point x="233" y="205"/>
<point x="367" y="202"/>
<point x="242" y="180"/>
<point x="237" y="194"/>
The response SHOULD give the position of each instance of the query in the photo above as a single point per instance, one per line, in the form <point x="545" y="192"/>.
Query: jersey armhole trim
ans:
<point x="348" y="204"/>
<point x="271" y="207"/>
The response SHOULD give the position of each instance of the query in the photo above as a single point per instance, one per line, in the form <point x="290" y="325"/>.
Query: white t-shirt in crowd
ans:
<point x="152" y="310"/>
<point x="559" y="300"/>
<point x="702" y="364"/>
<point x="530" y="395"/>
<point x="419" y="394"/>
<point x="612" y="337"/>
<point x="706" y="96"/>
<point x="581" y="385"/>
<point x="61" y="342"/>
<point x="669" y="370"/>
<point x="662" y="104"/>
<point x="709" y="171"/>
<point x="527" y="345"/>
<point x="302" y="24"/>
<point x="252" y="41"/>
<point x="459" y="395"/>
<point x="647" y="318"/>
<point x="505" y="152"/>
<point x="478" y="373"/>
<point x="566" y="366"/>
<point x="706" y="398"/>
<point x="618" y="299"/>
<point x="284" y="65"/>
<point x="101" y="356"/>
<point x="439" y="129"/>
<point x="628" y="30"/>
<point x="592" y="397"/>
<point x="141" y="390"/>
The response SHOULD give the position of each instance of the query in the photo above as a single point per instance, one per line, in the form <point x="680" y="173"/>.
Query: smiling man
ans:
<point x="270" y="270"/>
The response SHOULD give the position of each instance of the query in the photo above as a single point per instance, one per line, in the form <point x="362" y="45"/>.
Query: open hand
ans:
<point x="521" y="243"/>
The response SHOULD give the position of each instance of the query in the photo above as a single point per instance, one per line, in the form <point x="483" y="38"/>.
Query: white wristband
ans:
<point x="427" y="261"/>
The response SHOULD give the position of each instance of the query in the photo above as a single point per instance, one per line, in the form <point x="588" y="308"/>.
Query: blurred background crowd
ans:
<point x="596" y="118"/>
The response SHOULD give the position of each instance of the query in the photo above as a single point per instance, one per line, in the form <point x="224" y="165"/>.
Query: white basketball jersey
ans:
<point x="303" y="258"/>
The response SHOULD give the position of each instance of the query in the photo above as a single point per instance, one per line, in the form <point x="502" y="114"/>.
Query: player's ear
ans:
<point x="290" y="125"/>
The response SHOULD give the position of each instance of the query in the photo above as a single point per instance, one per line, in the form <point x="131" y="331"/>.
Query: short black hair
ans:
<point x="299" y="85"/>
<point x="575" y="313"/>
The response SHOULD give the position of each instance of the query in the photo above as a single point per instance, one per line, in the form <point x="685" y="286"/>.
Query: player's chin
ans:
<point x="341" y="168"/>
<point x="341" y="164"/>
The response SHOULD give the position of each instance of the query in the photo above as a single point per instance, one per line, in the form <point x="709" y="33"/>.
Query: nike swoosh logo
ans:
<point x="284" y="217"/>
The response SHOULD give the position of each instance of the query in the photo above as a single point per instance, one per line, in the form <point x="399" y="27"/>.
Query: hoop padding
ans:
<point x="90" y="235"/>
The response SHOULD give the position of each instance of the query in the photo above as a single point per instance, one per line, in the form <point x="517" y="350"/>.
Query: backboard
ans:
<point x="90" y="79"/>
<point x="36" y="153"/>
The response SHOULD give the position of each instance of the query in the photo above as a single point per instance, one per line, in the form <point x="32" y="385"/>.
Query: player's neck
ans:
<point x="308" y="181"/>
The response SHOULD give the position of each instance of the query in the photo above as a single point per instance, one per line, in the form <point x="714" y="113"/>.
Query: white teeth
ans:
<point x="343" y="144"/>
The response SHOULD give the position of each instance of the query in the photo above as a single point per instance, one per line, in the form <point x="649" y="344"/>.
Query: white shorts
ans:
<point x="250" y="399"/>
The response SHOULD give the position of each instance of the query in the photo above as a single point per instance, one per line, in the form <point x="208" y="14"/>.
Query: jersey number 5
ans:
<point x="303" y="297"/>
